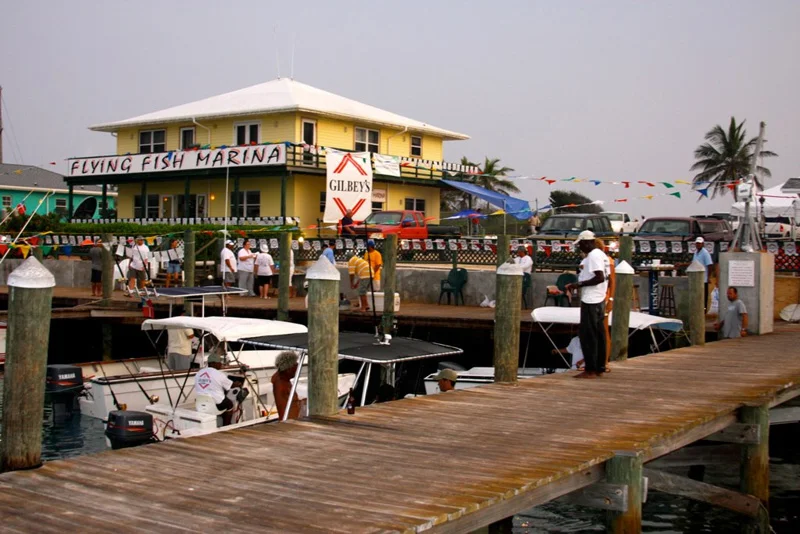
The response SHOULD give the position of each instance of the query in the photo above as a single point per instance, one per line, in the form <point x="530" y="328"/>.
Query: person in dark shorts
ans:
<point x="96" y="255"/>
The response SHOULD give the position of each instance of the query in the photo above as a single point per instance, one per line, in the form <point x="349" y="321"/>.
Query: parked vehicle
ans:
<point x="406" y="224"/>
<point x="781" y="227"/>
<point x="621" y="222"/>
<point x="685" y="229"/>
<point x="572" y="224"/>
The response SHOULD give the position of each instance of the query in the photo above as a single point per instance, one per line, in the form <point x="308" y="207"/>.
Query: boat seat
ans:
<point x="206" y="404"/>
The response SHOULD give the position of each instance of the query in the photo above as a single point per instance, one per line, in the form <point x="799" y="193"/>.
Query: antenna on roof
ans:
<point x="291" y="71"/>
<point x="277" y="55"/>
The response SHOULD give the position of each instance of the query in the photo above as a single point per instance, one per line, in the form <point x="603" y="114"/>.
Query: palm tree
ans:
<point x="454" y="199"/>
<point x="726" y="158"/>
<point x="490" y="177"/>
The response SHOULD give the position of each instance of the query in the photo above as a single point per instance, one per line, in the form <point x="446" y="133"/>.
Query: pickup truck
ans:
<point x="406" y="224"/>
<point x="685" y="229"/>
<point x="621" y="222"/>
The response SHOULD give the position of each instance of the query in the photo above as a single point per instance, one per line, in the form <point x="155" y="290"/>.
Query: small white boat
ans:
<point x="547" y="317"/>
<point x="137" y="383"/>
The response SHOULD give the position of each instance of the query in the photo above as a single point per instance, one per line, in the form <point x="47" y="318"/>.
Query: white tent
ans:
<point x="227" y="328"/>
<point x="776" y="204"/>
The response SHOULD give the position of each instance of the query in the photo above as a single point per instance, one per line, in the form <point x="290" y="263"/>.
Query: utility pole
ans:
<point x="1" y="124"/>
<point x="747" y="237"/>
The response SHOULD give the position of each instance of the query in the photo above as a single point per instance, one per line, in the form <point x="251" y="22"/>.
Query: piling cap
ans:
<point x="323" y="269"/>
<point x="623" y="268"/>
<point x="510" y="269"/>
<point x="31" y="274"/>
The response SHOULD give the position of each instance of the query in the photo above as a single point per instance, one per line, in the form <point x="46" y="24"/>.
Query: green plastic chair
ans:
<point x="561" y="284"/>
<point x="454" y="285"/>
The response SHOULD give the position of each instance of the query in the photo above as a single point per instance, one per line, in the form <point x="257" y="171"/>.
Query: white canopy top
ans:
<point x="227" y="328"/>
<point x="776" y="204"/>
<point x="638" y="321"/>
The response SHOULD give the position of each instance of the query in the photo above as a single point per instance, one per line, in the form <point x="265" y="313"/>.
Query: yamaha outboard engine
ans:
<point x="63" y="385"/>
<point x="127" y="428"/>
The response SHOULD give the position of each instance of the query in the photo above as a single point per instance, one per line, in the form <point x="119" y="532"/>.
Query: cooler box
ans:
<point x="379" y="301"/>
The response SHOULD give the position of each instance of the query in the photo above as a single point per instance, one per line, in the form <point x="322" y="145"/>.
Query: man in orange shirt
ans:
<point x="375" y="261"/>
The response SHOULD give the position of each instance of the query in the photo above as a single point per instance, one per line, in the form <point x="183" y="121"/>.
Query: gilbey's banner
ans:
<point x="244" y="156"/>
<point x="349" y="185"/>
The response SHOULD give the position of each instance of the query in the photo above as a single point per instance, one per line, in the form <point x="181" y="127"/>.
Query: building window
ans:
<point x="415" y="204"/>
<point x="61" y="205"/>
<point x="246" y="133"/>
<point x="377" y="206"/>
<point x="249" y="204"/>
<point x="187" y="138"/>
<point x="151" y="141"/>
<point x="416" y="146"/>
<point x="151" y="208"/>
<point x="322" y="198"/>
<point x="367" y="140"/>
<point x="7" y="203"/>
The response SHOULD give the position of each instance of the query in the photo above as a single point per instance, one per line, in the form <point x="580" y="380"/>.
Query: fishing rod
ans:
<point x="144" y="392"/>
<point x="113" y="397"/>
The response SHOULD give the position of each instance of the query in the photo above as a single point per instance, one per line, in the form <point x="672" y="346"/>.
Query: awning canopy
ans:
<point x="202" y="291"/>
<point x="776" y="204"/>
<point x="227" y="328"/>
<point x="516" y="207"/>
<point x="638" y="321"/>
<point x="364" y="347"/>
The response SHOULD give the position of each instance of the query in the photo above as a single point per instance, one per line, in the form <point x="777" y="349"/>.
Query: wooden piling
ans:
<point x="755" y="464"/>
<point x="503" y="249"/>
<point x="507" y="322"/>
<point x="626" y="248"/>
<point x="284" y="278"/>
<point x="621" y="314"/>
<point x="626" y="468"/>
<point x="189" y="259"/>
<point x="108" y="269"/>
<point x="389" y="281"/>
<point x="323" y="337"/>
<point x="30" y="300"/>
<point x="696" y="299"/>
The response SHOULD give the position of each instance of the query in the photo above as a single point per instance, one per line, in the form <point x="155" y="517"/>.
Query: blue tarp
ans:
<point x="516" y="207"/>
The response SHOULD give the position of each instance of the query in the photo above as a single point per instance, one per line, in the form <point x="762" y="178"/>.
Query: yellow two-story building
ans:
<point x="259" y="153"/>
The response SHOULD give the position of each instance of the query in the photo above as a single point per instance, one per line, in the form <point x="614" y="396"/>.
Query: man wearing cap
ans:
<point x="212" y="382"/>
<point x="263" y="271"/>
<point x="446" y="379"/>
<point x="140" y="260"/>
<point x="358" y="268"/>
<point x="702" y="257"/>
<point x="228" y="264"/>
<point x="375" y="261"/>
<point x="246" y="259"/>
<point x="523" y="260"/>
<point x="593" y="281"/>
<point x="327" y="251"/>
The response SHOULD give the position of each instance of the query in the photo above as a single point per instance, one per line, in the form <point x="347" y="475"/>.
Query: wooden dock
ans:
<point x="444" y="463"/>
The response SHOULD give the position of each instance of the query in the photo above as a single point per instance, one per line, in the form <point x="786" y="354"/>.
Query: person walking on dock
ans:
<point x="245" y="268"/>
<point x="174" y="263"/>
<point x="262" y="271"/>
<point x="96" y="255"/>
<point x="734" y="320"/>
<point x="702" y="256"/>
<point x="358" y="268"/>
<point x="592" y="280"/>
<point x="286" y="363"/>
<point x="227" y="264"/>
<point x="375" y="261"/>
<point x="140" y="260"/>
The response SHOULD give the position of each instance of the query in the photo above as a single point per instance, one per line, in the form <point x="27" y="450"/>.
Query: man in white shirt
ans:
<point x="179" y="348"/>
<point x="523" y="260"/>
<point x="574" y="350"/>
<point x="227" y="264"/>
<point x="140" y="260"/>
<point x="593" y="281"/>
<point x="245" y="267"/>
<point x="263" y="271"/>
<point x="210" y="381"/>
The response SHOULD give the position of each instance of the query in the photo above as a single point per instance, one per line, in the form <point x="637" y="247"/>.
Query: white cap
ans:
<point x="228" y="242"/>
<point x="699" y="240"/>
<point x="264" y="248"/>
<point x="586" y="235"/>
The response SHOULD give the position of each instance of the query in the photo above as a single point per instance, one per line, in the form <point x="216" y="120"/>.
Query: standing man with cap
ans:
<point x="375" y="261"/>
<point x="702" y="256"/>
<point x="593" y="281"/>
<point x="228" y="264"/>
<point x="523" y="260"/>
<point x="446" y="379"/>
<point x="263" y="271"/>
<point x="245" y="268"/>
<point x="140" y="260"/>
<point x="327" y="251"/>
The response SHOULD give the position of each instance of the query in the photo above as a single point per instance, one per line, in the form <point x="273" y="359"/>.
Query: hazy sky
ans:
<point x="614" y="90"/>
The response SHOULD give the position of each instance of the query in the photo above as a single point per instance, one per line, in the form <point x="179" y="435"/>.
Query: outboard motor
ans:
<point x="63" y="386"/>
<point x="127" y="428"/>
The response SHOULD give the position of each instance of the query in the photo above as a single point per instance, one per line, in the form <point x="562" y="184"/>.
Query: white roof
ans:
<point x="278" y="96"/>
<point x="638" y="321"/>
<point x="227" y="328"/>
<point x="776" y="203"/>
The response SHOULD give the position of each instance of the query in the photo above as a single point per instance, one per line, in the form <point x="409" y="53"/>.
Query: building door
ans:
<point x="167" y="207"/>
<point x="201" y="207"/>
<point x="310" y="140"/>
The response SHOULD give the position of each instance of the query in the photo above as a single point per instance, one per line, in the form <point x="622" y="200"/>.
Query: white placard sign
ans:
<point x="349" y="185"/>
<point x="181" y="160"/>
<point x="741" y="273"/>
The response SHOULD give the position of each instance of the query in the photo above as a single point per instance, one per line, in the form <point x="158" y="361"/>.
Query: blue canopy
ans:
<point x="517" y="207"/>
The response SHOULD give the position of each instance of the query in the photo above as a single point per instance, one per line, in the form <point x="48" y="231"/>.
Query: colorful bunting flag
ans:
<point x="667" y="185"/>
<point x="703" y="192"/>
<point x="676" y="194"/>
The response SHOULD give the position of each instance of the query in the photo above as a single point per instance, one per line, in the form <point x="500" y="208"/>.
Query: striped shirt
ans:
<point x="359" y="267"/>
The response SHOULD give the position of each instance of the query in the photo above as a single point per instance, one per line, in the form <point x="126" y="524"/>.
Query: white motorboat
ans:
<point x="659" y="328"/>
<point x="137" y="383"/>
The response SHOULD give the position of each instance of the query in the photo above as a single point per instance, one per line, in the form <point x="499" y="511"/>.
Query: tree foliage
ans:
<point x="559" y="198"/>
<point x="726" y="157"/>
<point x="491" y="178"/>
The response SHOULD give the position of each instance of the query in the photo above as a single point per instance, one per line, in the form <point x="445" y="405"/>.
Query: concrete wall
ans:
<point x="787" y="291"/>
<point x="68" y="273"/>
<point x="759" y="300"/>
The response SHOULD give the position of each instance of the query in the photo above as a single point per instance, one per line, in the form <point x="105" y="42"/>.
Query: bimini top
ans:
<point x="638" y="321"/>
<point x="201" y="291"/>
<point x="364" y="347"/>
<point x="227" y="328"/>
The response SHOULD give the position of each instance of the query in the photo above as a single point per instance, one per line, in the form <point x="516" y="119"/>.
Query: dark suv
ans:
<point x="685" y="229"/>
<point x="572" y="224"/>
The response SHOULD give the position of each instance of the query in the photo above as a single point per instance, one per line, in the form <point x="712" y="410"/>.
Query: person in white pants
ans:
<point x="246" y="260"/>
